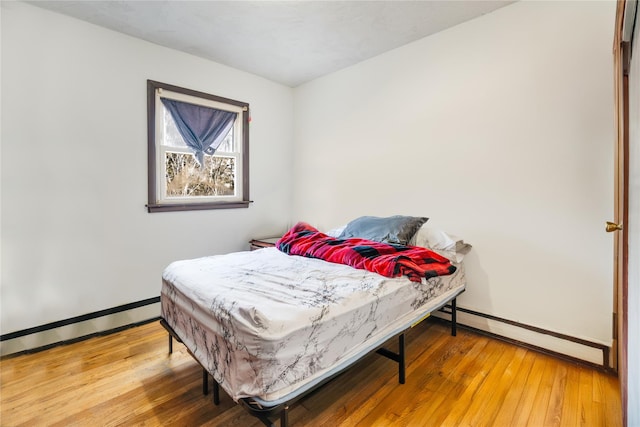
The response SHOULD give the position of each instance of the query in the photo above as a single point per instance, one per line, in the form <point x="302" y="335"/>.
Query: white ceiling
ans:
<point x="290" y="42"/>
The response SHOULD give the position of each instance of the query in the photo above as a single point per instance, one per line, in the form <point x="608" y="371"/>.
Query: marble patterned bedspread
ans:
<point x="263" y="323"/>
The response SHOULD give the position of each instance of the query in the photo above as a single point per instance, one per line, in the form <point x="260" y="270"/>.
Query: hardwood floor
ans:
<point x="128" y="378"/>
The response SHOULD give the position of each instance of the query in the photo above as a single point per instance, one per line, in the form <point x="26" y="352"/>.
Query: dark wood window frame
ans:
<point x="153" y="205"/>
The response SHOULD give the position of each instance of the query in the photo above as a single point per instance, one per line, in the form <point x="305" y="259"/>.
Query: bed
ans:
<point x="270" y="326"/>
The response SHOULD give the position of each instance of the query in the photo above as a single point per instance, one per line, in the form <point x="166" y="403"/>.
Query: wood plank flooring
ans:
<point x="129" y="379"/>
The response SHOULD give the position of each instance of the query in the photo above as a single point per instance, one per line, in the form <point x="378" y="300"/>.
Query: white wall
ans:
<point x="76" y="236"/>
<point x="501" y="131"/>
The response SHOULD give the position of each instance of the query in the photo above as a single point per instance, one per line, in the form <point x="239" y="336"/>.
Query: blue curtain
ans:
<point x="202" y="128"/>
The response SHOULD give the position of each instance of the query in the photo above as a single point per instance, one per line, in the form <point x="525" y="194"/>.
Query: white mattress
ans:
<point x="267" y="325"/>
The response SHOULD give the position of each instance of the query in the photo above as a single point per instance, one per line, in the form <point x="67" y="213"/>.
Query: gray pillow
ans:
<point x="394" y="229"/>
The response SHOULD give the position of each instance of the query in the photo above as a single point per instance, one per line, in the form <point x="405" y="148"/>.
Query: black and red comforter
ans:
<point x="389" y="260"/>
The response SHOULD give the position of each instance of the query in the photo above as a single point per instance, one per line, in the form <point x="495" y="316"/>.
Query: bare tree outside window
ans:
<point x="185" y="178"/>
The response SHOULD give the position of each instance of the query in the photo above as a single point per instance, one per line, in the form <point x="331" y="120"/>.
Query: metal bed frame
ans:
<point x="270" y="414"/>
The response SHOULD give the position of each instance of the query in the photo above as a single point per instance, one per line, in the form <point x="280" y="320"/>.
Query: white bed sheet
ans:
<point x="266" y="324"/>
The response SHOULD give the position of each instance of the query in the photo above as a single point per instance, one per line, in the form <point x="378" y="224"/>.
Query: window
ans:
<point x="198" y="148"/>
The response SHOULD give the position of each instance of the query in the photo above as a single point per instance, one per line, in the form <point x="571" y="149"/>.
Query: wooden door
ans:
<point x="622" y="53"/>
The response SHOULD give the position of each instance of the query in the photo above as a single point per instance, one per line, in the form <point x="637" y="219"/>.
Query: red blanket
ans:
<point x="388" y="260"/>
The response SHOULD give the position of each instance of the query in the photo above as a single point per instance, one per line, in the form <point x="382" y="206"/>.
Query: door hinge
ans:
<point x="615" y="325"/>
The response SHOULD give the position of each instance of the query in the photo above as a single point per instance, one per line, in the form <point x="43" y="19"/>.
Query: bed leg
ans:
<point x="453" y="317"/>
<point x="170" y="344"/>
<point x="205" y="382"/>
<point x="401" y="365"/>
<point x="216" y="392"/>
<point x="284" y="416"/>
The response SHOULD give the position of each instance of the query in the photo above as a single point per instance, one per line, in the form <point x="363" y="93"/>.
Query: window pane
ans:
<point x="226" y="146"/>
<point x="186" y="179"/>
<point x="172" y="136"/>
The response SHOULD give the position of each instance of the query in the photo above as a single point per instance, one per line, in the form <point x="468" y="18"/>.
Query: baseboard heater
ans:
<point x="11" y="342"/>
<point x="465" y="314"/>
<point x="46" y="336"/>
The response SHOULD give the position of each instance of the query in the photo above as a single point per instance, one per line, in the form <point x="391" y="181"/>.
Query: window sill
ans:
<point x="196" y="206"/>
